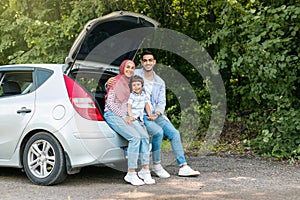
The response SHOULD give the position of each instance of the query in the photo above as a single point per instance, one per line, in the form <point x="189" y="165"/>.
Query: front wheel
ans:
<point x="44" y="160"/>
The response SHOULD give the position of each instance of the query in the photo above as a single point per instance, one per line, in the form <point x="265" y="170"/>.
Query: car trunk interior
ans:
<point x="93" y="80"/>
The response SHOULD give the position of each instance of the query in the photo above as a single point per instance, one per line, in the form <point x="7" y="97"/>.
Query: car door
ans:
<point x="16" y="107"/>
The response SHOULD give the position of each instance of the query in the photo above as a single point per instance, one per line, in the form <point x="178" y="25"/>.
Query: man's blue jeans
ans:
<point x="136" y="135"/>
<point x="163" y="127"/>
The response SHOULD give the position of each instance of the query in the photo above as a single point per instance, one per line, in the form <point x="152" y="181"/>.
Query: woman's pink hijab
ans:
<point x="121" y="86"/>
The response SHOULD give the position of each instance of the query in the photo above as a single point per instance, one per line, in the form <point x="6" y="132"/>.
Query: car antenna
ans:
<point x="138" y="49"/>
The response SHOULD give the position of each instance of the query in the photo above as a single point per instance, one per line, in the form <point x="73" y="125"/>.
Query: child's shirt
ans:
<point x="138" y="102"/>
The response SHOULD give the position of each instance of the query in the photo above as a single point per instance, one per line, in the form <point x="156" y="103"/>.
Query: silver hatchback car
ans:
<point x="51" y="121"/>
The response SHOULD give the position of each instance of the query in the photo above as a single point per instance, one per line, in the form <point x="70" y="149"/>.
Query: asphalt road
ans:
<point x="221" y="178"/>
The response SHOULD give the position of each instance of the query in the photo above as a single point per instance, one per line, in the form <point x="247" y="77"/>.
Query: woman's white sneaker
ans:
<point x="133" y="179"/>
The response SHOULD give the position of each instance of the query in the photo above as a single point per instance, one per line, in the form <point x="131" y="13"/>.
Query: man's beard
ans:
<point x="148" y="69"/>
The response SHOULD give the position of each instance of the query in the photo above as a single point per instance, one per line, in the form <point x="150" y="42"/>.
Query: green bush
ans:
<point x="278" y="134"/>
<point x="259" y="60"/>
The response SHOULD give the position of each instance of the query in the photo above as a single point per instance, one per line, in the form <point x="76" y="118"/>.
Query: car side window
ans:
<point x="42" y="76"/>
<point x="15" y="82"/>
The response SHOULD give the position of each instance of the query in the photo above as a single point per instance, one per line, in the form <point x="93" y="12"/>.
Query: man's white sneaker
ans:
<point x="133" y="179"/>
<point x="146" y="176"/>
<point x="160" y="171"/>
<point x="187" y="171"/>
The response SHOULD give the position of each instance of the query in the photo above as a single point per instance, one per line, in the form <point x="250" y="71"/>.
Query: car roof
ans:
<point x="43" y="65"/>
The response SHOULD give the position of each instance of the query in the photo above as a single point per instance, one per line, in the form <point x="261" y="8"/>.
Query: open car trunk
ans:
<point x="101" y="47"/>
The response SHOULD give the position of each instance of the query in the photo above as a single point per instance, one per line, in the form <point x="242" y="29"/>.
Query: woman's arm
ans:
<point x="114" y="105"/>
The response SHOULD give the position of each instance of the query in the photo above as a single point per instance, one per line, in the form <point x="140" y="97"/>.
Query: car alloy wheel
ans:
<point x="44" y="161"/>
<point x="41" y="158"/>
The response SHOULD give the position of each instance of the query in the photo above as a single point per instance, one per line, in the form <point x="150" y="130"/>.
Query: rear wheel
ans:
<point x="44" y="160"/>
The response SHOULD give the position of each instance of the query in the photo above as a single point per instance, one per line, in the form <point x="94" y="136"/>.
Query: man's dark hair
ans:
<point x="148" y="52"/>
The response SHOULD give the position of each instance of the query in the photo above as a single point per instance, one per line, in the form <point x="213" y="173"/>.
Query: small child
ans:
<point x="138" y="100"/>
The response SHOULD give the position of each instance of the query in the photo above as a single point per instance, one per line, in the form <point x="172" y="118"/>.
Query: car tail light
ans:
<point x="82" y="101"/>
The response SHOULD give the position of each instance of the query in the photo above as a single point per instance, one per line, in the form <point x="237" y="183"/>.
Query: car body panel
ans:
<point x="12" y="123"/>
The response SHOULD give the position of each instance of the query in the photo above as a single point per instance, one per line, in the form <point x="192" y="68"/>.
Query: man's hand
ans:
<point x="110" y="81"/>
<point x="153" y="117"/>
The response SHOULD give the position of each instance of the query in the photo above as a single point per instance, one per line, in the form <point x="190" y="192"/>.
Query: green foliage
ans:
<point x="279" y="134"/>
<point x="262" y="53"/>
<point x="42" y="31"/>
<point x="259" y="54"/>
<point x="192" y="122"/>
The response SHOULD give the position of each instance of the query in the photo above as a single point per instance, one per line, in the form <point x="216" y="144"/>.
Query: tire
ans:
<point x="43" y="159"/>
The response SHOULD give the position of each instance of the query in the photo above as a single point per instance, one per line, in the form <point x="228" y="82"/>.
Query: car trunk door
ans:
<point x="90" y="44"/>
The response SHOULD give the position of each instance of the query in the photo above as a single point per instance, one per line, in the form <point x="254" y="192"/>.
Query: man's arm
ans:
<point x="110" y="82"/>
<point x="148" y="111"/>
<point x="161" y="100"/>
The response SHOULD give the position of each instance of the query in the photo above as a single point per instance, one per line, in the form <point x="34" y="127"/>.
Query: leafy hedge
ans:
<point x="259" y="54"/>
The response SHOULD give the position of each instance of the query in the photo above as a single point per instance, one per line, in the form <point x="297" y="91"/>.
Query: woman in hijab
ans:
<point x="117" y="118"/>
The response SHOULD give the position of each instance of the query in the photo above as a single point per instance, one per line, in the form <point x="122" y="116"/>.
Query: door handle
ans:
<point x="24" y="110"/>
